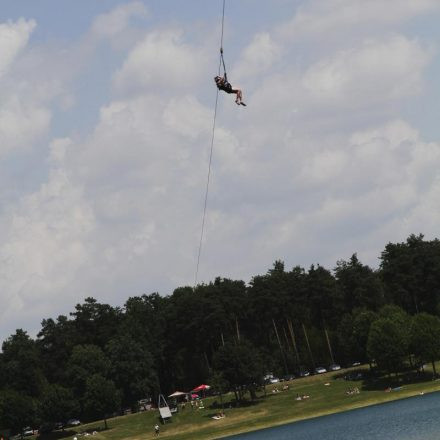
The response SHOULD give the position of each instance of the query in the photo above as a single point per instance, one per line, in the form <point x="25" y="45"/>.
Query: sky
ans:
<point x="106" y="113"/>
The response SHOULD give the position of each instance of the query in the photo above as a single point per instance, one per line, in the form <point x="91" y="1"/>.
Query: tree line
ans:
<point x="101" y="359"/>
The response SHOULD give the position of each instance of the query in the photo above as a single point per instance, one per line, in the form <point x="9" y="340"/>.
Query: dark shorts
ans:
<point x="227" y="88"/>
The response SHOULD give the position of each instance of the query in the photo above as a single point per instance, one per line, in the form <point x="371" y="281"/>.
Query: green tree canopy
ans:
<point x="411" y="274"/>
<point x="131" y="368"/>
<point x="95" y="323"/>
<point x="388" y="339"/>
<point x="240" y="364"/>
<point x="58" y="404"/>
<point x="17" y="411"/>
<point x="55" y="342"/>
<point x="21" y="365"/>
<point x="425" y="338"/>
<point x="101" y="398"/>
<point x="84" y="362"/>
<point x="358" y="286"/>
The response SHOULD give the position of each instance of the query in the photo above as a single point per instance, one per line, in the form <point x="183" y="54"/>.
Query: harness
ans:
<point x="224" y="85"/>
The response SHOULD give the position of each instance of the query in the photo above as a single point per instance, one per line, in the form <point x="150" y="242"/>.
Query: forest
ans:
<point x="102" y="359"/>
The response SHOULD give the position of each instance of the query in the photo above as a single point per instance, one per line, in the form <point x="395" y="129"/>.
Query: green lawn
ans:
<point x="274" y="409"/>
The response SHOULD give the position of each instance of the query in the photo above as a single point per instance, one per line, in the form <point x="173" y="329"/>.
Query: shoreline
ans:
<point x="329" y="413"/>
<point x="268" y="411"/>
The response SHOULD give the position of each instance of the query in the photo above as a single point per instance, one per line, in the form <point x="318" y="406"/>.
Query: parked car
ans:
<point x="270" y="378"/>
<point x="320" y="370"/>
<point x="288" y="377"/>
<point x="304" y="373"/>
<point x="73" y="422"/>
<point x="354" y="375"/>
<point x="334" y="367"/>
<point x="28" y="431"/>
<point x="355" y="364"/>
<point x="45" y="428"/>
<point x="145" y="404"/>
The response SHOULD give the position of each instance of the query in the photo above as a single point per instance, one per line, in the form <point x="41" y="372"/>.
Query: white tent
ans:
<point x="177" y="394"/>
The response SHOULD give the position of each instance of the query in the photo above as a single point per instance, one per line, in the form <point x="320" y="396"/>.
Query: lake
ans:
<point x="415" y="418"/>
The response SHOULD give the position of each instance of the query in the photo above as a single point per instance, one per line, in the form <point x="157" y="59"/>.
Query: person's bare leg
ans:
<point x="240" y="97"/>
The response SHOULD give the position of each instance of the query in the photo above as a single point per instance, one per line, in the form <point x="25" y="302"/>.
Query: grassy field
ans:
<point x="327" y="395"/>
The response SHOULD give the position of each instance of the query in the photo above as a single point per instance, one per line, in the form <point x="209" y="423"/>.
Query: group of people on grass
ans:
<point x="218" y="416"/>
<point x="276" y="390"/>
<point x="194" y="404"/>
<point x="352" y="391"/>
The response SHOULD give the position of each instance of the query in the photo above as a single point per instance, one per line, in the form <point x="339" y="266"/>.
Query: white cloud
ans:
<point x="258" y="56"/>
<point x="378" y="188"/>
<point x="23" y="117"/>
<point x="21" y="123"/>
<point x="347" y="88"/>
<point x="324" y="167"/>
<point x="378" y="70"/>
<point x="141" y="129"/>
<point x="14" y="37"/>
<point x="394" y="133"/>
<point x="186" y="116"/>
<point x="160" y="63"/>
<point x="321" y="163"/>
<point x="349" y="194"/>
<point x="58" y="149"/>
<point x="43" y="246"/>
<point x="118" y="19"/>
<point x="330" y="19"/>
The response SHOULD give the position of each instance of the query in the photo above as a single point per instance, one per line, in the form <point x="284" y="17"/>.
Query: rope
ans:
<point x="205" y="205"/>
<point x="223" y="26"/>
<point x="222" y="60"/>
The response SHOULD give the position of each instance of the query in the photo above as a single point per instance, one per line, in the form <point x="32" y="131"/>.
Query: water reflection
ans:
<point x="416" y="418"/>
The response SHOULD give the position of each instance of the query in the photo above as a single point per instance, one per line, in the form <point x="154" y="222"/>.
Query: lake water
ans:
<point x="415" y="418"/>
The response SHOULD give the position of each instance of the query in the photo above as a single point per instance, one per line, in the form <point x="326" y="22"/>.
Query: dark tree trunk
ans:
<point x="252" y="392"/>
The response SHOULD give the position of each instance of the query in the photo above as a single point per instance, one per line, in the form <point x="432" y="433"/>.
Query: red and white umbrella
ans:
<point x="202" y="387"/>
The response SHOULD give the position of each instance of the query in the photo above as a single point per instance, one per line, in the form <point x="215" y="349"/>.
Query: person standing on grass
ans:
<point x="157" y="430"/>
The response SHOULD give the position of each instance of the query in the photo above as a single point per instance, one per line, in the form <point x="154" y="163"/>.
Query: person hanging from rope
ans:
<point x="223" y="84"/>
